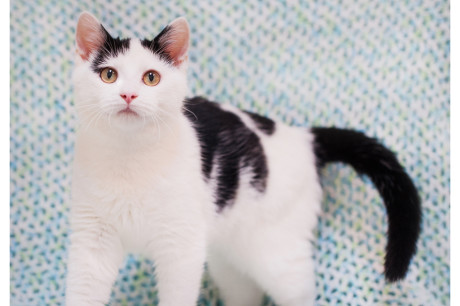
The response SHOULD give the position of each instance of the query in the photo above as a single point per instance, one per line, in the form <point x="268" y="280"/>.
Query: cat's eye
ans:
<point x="151" y="78"/>
<point x="109" y="75"/>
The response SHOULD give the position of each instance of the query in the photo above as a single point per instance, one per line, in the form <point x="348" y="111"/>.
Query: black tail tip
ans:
<point x="396" y="267"/>
<point x="393" y="275"/>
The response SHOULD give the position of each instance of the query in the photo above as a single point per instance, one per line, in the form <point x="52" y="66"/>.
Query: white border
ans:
<point x="454" y="154"/>
<point x="5" y="154"/>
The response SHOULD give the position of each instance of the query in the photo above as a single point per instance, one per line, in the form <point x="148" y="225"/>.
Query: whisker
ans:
<point x="110" y="119"/>
<point x="157" y="126"/>
<point x="167" y="125"/>
<point x="143" y="121"/>
<point x="185" y="108"/>
<point x="91" y="119"/>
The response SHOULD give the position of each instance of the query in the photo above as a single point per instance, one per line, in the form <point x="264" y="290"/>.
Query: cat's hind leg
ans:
<point x="235" y="288"/>
<point x="284" y="270"/>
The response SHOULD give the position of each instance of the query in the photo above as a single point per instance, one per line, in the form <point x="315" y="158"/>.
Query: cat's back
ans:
<point x="250" y="158"/>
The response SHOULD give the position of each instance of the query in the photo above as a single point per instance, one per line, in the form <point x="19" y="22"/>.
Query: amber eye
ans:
<point x="109" y="75"/>
<point x="151" y="78"/>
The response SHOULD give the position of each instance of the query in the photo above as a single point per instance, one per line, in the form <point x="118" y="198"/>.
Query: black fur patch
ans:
<point x="111" y="48"/>
<point x="156" y="47"/>
<point x="396" y="188"/>
<point x="264" y="124"/>
<point x="226" y="143"/>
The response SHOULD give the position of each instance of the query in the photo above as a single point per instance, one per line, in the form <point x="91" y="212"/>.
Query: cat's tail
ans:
<point x="399" y="194"/>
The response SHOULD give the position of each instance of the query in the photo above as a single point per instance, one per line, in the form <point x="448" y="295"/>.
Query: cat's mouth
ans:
<point x="128" y="112"/>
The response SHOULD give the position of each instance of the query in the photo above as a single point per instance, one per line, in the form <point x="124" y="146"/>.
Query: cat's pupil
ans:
<point x="109" y="73"/>
<point x="151" y="76"/>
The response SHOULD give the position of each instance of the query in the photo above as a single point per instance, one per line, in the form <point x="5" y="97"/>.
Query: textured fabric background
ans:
<point x="378" y="66"/>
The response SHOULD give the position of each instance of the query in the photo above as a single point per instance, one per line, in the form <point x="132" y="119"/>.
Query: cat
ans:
<point x="186" y="181"/>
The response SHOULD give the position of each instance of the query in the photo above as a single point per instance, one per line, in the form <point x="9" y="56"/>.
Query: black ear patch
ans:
<point x="111" y="48"/>
<point x="227" y="146"/>
<point x="156" y="47"/>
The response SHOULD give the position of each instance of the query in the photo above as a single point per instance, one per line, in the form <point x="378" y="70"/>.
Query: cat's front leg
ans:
<point x="179" y="256"/>
<point x="95" y="256"/>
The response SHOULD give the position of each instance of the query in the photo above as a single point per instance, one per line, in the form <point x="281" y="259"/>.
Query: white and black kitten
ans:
<point x="189" y="181"/>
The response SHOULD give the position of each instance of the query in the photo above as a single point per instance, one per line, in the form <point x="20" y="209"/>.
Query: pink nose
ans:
<point x="128" y="97"/>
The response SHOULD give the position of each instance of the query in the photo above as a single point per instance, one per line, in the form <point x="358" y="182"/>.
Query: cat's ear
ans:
<point x="90" y="35"/>
<point x="174" y="40"/>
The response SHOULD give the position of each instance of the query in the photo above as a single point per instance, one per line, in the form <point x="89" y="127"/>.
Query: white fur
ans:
<point x="138" y="186"/>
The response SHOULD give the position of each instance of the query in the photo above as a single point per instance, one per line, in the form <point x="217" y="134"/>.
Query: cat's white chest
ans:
<point x="141" y="194"/>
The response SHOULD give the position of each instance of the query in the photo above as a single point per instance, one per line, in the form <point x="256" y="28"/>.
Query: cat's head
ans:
<point x="129" y="83"/>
